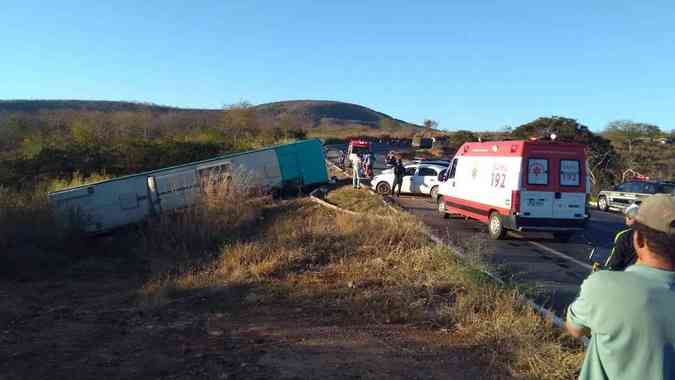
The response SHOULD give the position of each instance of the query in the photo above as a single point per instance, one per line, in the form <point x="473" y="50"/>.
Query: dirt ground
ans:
<point x="94" y="328"/>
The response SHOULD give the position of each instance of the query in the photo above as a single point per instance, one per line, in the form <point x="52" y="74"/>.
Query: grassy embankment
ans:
<point x="381" y="269"/>
<point x="356" y="269"/>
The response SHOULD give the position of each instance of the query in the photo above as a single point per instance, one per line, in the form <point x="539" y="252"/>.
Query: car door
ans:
<point x="407" y="184"/>
<point x="640" y="191"/>
<point x="424" y="180"/>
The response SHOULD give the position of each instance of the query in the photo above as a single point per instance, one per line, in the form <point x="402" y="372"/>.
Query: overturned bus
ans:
<point x="105" y="205"/>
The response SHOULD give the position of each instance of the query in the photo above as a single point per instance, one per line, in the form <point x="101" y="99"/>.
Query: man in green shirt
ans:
<point x="630" y="315"/>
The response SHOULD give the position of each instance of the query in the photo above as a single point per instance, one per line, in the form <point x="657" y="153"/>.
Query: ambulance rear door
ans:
<point x="570" y="201"/>
<point x="536" y="197"/>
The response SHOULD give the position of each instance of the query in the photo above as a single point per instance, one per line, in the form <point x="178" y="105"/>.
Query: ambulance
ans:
<point x="357" y="147"/>
<point x="526" y="185"/>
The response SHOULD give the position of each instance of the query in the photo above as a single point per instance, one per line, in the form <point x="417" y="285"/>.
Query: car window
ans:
<point x="453" y="169"/>
<point x="410" y="171"/>
<point x="427" y="172"/>
<point x="441" y="175"/>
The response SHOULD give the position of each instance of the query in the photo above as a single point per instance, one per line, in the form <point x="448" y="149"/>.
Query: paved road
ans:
<point x="553" y="270"/>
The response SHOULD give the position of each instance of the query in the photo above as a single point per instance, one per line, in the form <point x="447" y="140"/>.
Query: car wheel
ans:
<point x="441" y="208"/>
<point x="434" y="193"/>
<point x="563" y="237"/>
<point x="496" y="229"/>
<point x="602" y="204"/>
<point x="383" y="188"/>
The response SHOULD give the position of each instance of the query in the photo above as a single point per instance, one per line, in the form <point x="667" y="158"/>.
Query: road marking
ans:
<point x="554" y="252"/>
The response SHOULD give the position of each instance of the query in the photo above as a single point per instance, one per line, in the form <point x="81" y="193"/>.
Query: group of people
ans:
<point x="629" y="310"/>
<point x="362" y="167"/>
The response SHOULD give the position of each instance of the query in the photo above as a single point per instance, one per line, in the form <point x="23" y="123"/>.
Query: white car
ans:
<point x="443" y="163"/>
<point x="418" y="179"/>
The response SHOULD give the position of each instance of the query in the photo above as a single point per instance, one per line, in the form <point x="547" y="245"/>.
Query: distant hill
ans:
<point x="322" y="112"/>
<point x="83" y="105"/>
<point x="307" y="113"/>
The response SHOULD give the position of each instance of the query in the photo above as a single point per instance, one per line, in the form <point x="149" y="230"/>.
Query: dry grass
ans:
<point x="382" y="270"/>
<point x="359" y="200"/>
<point x="378" y="269"/>
<point x="30" y="238"/>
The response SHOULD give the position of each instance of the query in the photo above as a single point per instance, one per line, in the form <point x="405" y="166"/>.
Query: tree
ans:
<point x="240" y="120"/>
<point x="602" y="158"/>
<point x="627" y="133"/>
<point x="430" y="124"/>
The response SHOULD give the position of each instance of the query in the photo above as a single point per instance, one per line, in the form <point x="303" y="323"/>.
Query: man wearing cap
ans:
<point x="623" y="253"/>
<point x="629" y="315"/>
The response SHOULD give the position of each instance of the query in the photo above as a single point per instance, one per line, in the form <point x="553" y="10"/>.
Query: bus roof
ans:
<point x="146" y="173"/>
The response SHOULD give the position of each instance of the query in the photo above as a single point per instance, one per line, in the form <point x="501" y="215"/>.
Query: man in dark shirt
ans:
<point x="399" y="172"/>
<point x="623" y="252"/>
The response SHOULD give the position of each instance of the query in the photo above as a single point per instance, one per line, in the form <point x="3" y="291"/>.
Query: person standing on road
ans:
<point x="391" y="159"/>
<point x="623" y="253"/>
<point x="356" y="171"/>
<point x="399" y="172"/>
<point x="368" y="164"/>
<point x="341" y="159"/>
<point x="630" y="313"/>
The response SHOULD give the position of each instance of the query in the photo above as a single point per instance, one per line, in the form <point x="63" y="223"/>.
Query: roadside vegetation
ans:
<point x="381" y="270"/>
<point x="233" y="253"/>
<point x="358" y="200"/>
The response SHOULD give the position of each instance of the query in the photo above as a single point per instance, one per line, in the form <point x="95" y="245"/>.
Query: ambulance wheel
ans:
<point x="434" y="193"/>
<point x="602" y="204"/>
<point x="383" y="188"/>
<point x="496" y="229"/>
<point x="563" y="237"/>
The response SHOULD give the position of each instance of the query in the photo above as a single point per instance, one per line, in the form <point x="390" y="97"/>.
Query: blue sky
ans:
<point x="475" y="65"/>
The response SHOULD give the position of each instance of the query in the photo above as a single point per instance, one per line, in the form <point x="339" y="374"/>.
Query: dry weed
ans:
<point x="382" y="270"/>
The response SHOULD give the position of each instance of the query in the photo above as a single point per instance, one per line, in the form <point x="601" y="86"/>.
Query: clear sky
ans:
<point x="468" y="64"/>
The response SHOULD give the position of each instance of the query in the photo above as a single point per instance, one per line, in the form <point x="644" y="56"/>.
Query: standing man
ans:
<point x="356" y="171"/>
<point x="623" y="253"/>
<point x="629" y="314"/>
<point x="399" y="172"/>
<point x="341" y="159"/>
<point x="369" y="162"/>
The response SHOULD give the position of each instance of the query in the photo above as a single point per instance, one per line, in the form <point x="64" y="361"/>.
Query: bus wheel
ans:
<point x="563" y="237"/>
<point x="383" y="188"/>
<point x="496" y="229"/>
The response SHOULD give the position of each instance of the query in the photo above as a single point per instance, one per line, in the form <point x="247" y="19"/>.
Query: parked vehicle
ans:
<point x="418" y="179"/>
<point x="357" y="147"/>
<point x="443" y="163"/>
<point x="633" y="191"/>
<point x="120" y="201"/>
<point x="518" y="185"/>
